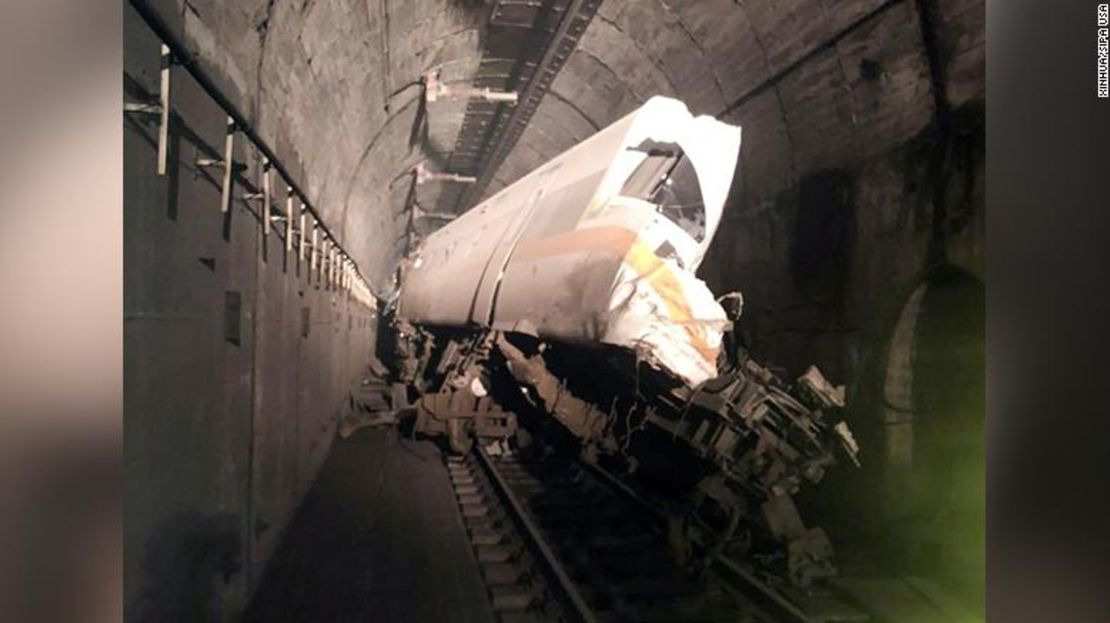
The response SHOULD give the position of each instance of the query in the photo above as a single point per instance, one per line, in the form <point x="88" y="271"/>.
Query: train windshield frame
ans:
<point x="667" y="178"/>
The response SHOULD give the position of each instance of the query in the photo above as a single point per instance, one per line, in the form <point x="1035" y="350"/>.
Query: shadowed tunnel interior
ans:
<point x="854" y="229"/>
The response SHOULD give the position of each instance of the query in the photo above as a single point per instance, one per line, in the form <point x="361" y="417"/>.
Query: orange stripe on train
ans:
<point x="667" y="285"/>
<point x="621" y="241"/>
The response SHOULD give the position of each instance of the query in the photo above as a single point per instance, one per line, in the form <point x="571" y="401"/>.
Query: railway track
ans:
<point x="556" y="543"/>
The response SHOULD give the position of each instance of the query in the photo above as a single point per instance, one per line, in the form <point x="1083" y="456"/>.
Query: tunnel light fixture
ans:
<point x="435" y="90"/>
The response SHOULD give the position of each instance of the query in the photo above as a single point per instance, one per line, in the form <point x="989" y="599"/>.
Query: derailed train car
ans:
<point x="565" y="310"/>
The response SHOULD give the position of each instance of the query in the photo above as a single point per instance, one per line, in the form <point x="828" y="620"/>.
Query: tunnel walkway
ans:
<point x="377" y="538"/>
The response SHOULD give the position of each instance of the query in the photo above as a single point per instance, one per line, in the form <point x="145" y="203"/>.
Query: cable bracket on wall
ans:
<point x="343" y="270"/>
<point x="228" y="164"/>
<point x="160" y="108"/>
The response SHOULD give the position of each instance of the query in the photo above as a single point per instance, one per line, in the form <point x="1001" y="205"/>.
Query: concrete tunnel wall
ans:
<point x="237" y="364"/>
<point x="333" y="86"/>
<point x="860" y="173"/>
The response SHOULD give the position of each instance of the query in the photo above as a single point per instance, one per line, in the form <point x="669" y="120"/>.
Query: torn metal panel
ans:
<point x="579" y="416"/>
<point x="668" y="316"/>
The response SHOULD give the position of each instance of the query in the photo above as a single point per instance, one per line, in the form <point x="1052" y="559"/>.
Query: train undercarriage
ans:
<point x="719" y="463"/>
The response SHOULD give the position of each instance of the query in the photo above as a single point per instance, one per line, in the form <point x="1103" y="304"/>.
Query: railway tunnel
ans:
<point x="257" y="130"/>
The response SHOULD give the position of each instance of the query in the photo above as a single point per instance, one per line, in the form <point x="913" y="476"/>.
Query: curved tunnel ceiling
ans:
<point x="334" y="86"/>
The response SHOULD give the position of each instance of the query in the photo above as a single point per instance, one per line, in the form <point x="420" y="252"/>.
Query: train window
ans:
<point x="668" y="180"/>
<point x="679" y="199"/>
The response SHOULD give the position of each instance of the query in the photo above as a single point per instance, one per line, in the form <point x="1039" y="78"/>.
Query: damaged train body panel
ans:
<point x="564" y="312"/>
<point x="599" y="245"/>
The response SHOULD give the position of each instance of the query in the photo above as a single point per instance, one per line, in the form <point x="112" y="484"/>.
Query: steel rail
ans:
<point x="585" y="614"/>
<point x="729" y="571"/>
<point x="727" y="567"/>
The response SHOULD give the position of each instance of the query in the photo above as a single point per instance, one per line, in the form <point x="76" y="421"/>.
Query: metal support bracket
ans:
<point x="142" y="108"/>
<point x="419" y="213"/>
<point x="435" y="90"/>
<point x="288" y="219"/>
<point x="163" y="100"/>
<point x="303" y="232"/>
<point x="313" y="260"/>
<point x="330" y="279"/>
<point x="331" y="266"/>
<point x="265" y="220"/>
<point x="160" y="108"/>
<point x="342" y="269"/>
<point x="228" y="164"/>
<point x="164" y="105"/>
<point x="423" y="175"/>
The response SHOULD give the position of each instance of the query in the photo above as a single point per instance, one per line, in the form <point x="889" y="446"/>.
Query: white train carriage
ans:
<point x="599" y="245"/>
